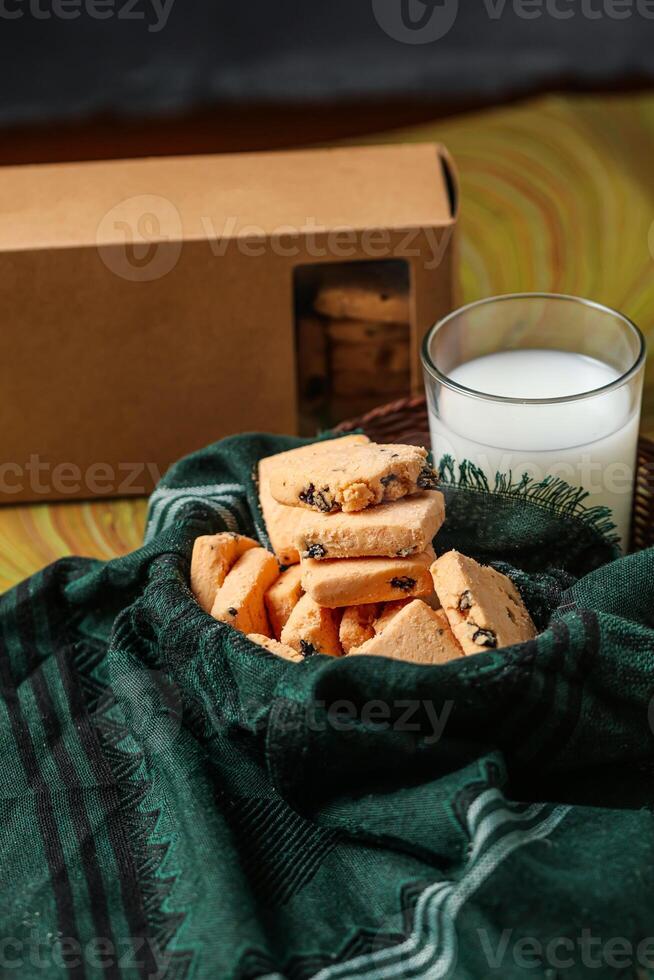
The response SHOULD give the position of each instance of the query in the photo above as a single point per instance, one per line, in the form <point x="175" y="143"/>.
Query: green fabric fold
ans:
<point x="176" y="802"/>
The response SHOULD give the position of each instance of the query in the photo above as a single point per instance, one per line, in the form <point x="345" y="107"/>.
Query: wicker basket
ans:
<point x="406" y="421"/>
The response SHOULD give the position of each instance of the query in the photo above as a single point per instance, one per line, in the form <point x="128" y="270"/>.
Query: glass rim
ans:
<point x="448" y="382"/>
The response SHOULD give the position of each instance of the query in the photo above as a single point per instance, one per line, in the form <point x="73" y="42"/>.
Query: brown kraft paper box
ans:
<point x="149" y="305"/>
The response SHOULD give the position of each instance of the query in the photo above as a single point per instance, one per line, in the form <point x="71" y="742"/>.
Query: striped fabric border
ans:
<point x="166" y="504"/>
<point x="431" y="950"/>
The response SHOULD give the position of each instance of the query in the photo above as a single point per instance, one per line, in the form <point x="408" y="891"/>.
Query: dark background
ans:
<point x="254" y="73"/>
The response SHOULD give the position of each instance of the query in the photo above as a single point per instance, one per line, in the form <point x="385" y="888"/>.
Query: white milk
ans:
<point x="590" y="443"/>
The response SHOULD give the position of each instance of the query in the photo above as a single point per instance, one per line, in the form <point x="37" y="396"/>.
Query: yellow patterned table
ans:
<point x="557" y="195"/>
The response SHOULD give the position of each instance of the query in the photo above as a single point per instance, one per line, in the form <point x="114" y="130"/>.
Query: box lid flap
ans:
<point x="246" y="194"/>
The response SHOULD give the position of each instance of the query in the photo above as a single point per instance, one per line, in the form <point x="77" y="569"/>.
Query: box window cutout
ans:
<point x="352" y="323"/>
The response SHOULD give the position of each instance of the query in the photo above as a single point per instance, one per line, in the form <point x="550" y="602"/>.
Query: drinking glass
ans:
<point x="543" y="385"/>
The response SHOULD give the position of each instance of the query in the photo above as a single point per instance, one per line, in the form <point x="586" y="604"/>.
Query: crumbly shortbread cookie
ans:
<point x="282" y="521"/>
<point x="363" y="294"/>
<point x="239" y="601"/>
<point x="351" y="478"/>
<point x="361" y="334"/>
<point x="483" y="606"/>
<point x="282" y="597"/>
<point x="357" y="625"/>
<point x="394" y="530"/>
<point x="213" y="556"/>
<point x="311" y="629"/>
<point x="359" y="581"/>
<point x="389" y="611"/>
<point x="370" y="352"/>
<point x="273" y="646"/>
<point x="416" y="633"/>
<point x="313" y="369"/>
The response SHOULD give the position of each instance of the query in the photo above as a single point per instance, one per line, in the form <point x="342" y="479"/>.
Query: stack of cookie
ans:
<point x="355" y="522"/>
<point x="353" y="347"/>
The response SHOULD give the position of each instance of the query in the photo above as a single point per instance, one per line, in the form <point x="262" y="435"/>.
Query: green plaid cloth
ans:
<point x="175" y="802"/>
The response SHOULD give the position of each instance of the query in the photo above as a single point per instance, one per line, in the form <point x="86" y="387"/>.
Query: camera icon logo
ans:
<point x="416" y="21"/>
<point x="140" y="238"/>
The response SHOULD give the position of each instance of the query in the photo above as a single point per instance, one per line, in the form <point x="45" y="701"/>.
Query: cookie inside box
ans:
<point x="352" y="323"/>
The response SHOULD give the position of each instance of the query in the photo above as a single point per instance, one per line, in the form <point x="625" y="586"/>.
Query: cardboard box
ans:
<point x="148" y="305"/>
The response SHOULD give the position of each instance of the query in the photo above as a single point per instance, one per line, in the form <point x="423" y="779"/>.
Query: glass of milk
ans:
<point x="543" y="385"/>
